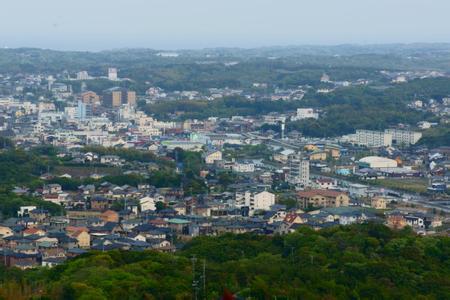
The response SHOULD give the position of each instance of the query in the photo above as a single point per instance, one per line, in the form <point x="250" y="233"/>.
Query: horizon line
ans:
<point x="399" y="44"/>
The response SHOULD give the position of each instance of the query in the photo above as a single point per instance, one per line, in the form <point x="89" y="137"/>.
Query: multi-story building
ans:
<point x="255" y="200"/>
<point x="305" y="113"/>
<point x="115" y="97"/>
<point x="371" y="138"/>
<point x="299" y="170"/>
<point x="322" y="198"/>
<point x="83" y="111"/>
<point x="112" y="98"/>
<point x="90" y="97"/>
<point x="112" y="74"/>
<point x="406" y="137"/>
<point x="130" y="98"/>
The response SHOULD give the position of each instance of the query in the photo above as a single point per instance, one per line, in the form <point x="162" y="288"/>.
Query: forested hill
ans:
<point x="393" y="57"/>
<point x="355" y="262"/>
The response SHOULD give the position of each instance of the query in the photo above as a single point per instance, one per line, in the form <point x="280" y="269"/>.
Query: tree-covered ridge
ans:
<point x="342" y="111"/>
<point x="366" y="261"/>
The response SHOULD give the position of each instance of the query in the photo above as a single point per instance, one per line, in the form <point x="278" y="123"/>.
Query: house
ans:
<point x="378" y="202"/>
<point x="334" y="151"/>
<point x="293" y="218"/>
<point x="347" y="215"/>
<point x="20" y="260"/>
<point x="243" y="167"/>
<point x="311" y="147"/>
<point x="322" y="198"/>
<point x="212" y="156"/>
<point x="112" y="160"/>
<point x="283" y="156"/>
<point x="81" y="234"/>
<point x="147" y="203"/>
<point x="415" y="221"/>
<point x="395" y="220"/>
<point x="326" y="183"/>
<point x="34" y="231"/>
<point x="53" y="188"/>
<point x="39" y="214"/>
<point x="318" y="155"/>
<point x="110" y="216"/>
<point x="5" y="231"/>
<point x="100" y="203"/>
<point x="24" y="211"/>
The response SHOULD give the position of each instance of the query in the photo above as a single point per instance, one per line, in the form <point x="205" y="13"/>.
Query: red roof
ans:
<point x="290" y="218"/>
<point x="76" y="229"/>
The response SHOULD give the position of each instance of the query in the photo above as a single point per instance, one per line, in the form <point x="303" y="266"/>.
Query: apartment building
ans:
<point x="255" y="200"/>
<point x="371" y="138"/>
<point x="406" y="137"/>
<point x="299" y="170"/>
<point x="322" y="198"/>
<point x="115" y="97"/>
<point x="90" y="97"/>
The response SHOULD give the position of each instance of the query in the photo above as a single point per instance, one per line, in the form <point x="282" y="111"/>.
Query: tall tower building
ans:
<point x="83" y="111"/>
<point x="112" y="98"/>
<point x="117" y="96"/>
<point x="299" y="170"/>
<point x="130" y="98"/>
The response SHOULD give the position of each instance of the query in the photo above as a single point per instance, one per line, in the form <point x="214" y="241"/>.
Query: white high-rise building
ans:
<point x="299" y="170"/>
<point x="370" y="138"/>
<point x="112" y="74"/>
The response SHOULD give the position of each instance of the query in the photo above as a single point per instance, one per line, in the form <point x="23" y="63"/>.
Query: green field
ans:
<point x="415" y="185"/>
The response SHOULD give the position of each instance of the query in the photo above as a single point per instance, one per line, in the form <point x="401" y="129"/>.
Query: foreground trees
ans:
<point x="355" y="262"/>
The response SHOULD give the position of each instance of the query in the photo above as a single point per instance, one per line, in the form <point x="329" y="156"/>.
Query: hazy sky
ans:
<point x="171" y="24"/>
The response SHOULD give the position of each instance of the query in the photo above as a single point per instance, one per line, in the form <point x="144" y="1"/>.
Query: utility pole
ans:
<point x="204" y="279"/>
<point x="194" y="282"/>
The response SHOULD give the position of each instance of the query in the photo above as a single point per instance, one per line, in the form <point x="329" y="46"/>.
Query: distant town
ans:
<point x="125" y="179"/>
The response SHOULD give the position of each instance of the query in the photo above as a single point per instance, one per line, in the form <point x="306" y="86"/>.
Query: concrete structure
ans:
<point x="112" y="98"/>
<point x="112" y="74"/>
<point x="255" y="200"/>
<point x="406" y="137"/>
<point x="299" y="170"/>
<point x="115" y="97"/>
<point x="377" y="162"/>
<point x="370" y="138"/>
<point x="322" y="198"/>
<point x="90" y="97"/>
<point x="305" y="113"/>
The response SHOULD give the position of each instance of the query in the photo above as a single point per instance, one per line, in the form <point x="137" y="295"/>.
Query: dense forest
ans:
<point x="366" y="261"/>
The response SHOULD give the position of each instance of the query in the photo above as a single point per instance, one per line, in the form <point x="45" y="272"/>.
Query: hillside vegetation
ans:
<point x="355" y="262"/>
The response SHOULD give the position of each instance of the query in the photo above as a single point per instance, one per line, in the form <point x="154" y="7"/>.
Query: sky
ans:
<point x="191" y="24"/>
